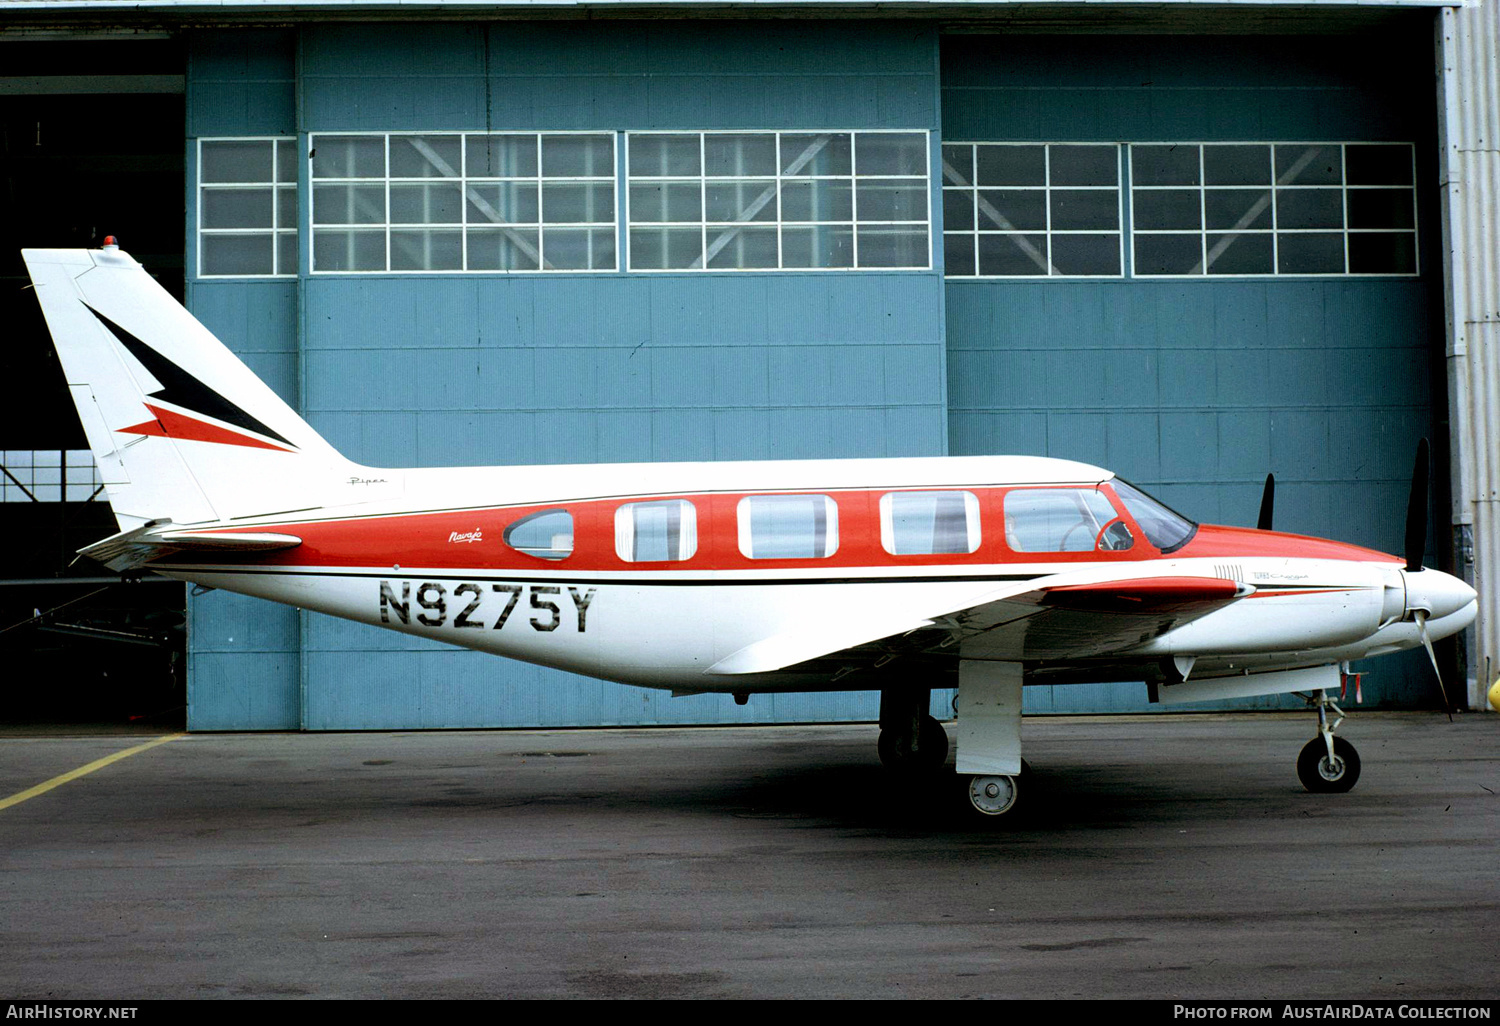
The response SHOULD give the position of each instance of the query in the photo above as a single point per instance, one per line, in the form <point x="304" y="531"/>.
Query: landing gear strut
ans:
<point x="1327" y="764"/>
<point x="911" y="741"/>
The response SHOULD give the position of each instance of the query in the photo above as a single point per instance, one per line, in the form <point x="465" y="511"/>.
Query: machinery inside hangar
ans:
<point x="1053" y="277"/>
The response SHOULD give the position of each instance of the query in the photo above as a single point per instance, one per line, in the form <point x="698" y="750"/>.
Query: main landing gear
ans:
<point x="1327" y="764"/>
<point x="913" y="746"/>
<point x="912" y="743"/>
<point x="992" y="795"/>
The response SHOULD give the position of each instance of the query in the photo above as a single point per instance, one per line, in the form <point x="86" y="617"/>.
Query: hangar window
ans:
<point x="660" y="531"/>
<point x="1013" y="210"/>
<point x="247" y="207"/>
<point x="464" y="202"/>
<point x="777" y="200"/>
<point x="1283" y="208"/>
<point x="929" y="523"/>
<point x="788" y="526"/>
<point x="53" y="475"/>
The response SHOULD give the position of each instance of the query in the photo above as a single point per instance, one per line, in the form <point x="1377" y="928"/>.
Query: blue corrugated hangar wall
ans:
<point x="1198" y="388"/>
<point x="1192" y="388"/>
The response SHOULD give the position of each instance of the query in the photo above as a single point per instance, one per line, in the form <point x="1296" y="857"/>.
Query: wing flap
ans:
<point x="1059" y="617"/>
<point x="790" y="648"/>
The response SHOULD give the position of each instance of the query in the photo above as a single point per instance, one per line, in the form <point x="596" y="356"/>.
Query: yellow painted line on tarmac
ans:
<point x="81" y="771"/>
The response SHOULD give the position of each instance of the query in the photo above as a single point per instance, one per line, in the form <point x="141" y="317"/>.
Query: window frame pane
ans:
<point x="1018" y="204"/>
<point x="514" y="172"/>
<point x="742" y="194"/>
<point x="274" y="183"/>
<point x="1307" y="221"/>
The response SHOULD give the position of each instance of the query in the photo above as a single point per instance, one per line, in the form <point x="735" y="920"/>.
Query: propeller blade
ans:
<point x="1416" y="511"/>
<point x="1420" y="616"/>
<point x="1267" y="504"/>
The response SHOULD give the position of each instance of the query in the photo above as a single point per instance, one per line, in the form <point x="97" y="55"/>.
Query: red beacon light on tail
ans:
<point x="110" y="243"/>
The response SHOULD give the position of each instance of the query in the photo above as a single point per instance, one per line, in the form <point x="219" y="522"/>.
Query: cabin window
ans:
<point x="788" y="526"/>
<point x="1063" y="520"/>
<point x="929" y="523"/>
<point x="545" y="535"/>
<point x="656" y="532"/>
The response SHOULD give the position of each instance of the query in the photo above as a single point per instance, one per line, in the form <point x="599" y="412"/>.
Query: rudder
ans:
<point x="179" y="427"/>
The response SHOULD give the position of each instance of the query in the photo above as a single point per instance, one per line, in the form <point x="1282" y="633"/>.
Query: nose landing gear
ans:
<point x="1327" y="764"/>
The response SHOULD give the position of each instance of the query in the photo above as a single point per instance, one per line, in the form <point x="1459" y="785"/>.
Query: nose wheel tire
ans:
<point x="1322" y="775"/>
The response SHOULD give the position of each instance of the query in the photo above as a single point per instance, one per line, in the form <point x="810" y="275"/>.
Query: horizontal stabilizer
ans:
<point x="130" y="549"/>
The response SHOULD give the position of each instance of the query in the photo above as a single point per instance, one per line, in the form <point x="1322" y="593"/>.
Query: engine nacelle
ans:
<point x="1298" y="605"/>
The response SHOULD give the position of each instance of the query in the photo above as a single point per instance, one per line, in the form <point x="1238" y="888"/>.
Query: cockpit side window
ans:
<point x="1165" y="528"/>
<point x="1063" y="520"/>
<point x="545" y="535"/>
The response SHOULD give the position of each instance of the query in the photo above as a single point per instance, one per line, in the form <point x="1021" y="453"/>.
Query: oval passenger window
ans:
<point x="546" y="535"/>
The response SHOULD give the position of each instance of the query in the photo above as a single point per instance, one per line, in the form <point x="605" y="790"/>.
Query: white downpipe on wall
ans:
<point x="1468" y="48"/>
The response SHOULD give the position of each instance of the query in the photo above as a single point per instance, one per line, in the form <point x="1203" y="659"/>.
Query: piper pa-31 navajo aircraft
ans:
<point x="897" y="575"/>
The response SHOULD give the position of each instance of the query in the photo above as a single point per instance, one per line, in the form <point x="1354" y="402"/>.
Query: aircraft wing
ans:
<point x="1053" y="618"/>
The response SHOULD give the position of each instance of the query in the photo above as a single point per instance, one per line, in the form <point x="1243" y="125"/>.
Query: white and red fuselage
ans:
<point x="436" y="563"/>
<point x="731" y="577"/>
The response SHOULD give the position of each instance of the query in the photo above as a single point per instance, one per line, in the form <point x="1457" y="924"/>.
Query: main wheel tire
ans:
<point x="932" y="750"/>
<point x="993" y="795"/>
<point x="1321" y="775"/>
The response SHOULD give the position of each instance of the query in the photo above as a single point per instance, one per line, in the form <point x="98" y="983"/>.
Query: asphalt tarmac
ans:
<point x="1171" y="856"/>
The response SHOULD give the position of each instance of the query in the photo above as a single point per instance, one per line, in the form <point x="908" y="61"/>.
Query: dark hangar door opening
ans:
<point x="91" y="144"/>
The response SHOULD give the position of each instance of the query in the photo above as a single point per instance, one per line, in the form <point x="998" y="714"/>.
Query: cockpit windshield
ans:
<point x="1166" y="529"/>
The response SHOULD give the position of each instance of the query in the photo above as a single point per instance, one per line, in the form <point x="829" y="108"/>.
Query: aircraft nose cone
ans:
<point x="1439" y="593"/>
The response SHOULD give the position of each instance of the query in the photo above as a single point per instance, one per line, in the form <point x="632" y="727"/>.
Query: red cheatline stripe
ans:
<point x="174" y="425"/>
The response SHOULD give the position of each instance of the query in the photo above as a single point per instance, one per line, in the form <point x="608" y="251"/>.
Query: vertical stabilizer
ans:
<point x="180" y="429"/>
